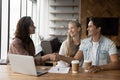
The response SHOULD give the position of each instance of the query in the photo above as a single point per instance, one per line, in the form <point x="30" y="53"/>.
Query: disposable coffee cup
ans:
<point x="75" y="66"/>
<point x="87" y="63"/>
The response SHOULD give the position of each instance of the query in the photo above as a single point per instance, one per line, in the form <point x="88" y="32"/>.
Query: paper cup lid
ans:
<point x="75" y="61"/>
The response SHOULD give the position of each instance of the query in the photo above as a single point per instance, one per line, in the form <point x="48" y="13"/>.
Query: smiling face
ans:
<point x="32" y="28"/>
<point x="73" y="30"/>
<point x="92" y="29"/>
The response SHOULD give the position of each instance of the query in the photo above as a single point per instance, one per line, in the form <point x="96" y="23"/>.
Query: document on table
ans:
<point x="59" y="70"/>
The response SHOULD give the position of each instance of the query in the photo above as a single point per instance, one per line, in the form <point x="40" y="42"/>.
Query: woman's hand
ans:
<point x="54" y="57"/>
<point x="94" y="69"/>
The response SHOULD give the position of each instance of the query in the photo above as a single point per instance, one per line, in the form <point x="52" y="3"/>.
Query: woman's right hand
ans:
<point x="54" y="57"/>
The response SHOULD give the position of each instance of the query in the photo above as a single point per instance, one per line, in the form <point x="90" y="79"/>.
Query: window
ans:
<point x="0" y="24"/>
<point x="4" y="28"/>
<point x="12" y="11"/>
<point x="14" y="17"/>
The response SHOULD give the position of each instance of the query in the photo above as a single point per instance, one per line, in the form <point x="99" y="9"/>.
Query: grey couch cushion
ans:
<point x="50" y="45"/>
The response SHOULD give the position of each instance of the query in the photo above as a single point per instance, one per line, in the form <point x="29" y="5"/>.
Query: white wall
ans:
<point x="44" y="28"/>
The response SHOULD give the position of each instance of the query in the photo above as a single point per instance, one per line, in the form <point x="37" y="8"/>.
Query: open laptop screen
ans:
<point x="23" y="64"/>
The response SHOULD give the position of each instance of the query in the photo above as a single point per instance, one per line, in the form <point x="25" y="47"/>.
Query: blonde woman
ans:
<point x="71" y="45"/>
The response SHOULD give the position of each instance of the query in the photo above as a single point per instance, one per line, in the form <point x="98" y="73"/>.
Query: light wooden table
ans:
<point x="7" y="74"/>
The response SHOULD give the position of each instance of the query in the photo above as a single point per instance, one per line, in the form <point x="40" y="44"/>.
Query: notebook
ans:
<point x="61" y="70"/>
<point x="24" y="64"/>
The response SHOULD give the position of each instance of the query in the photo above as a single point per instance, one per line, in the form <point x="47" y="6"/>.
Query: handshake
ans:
<point x="54" y="57"/>
<point x="41" y="59"/>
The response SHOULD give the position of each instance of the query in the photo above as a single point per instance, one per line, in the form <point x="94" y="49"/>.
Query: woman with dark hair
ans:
<point x="22" y="43"/>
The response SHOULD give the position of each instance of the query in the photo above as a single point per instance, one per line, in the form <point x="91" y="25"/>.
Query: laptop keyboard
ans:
<point x="3" y="62"/>
<point x="40" y="72"/>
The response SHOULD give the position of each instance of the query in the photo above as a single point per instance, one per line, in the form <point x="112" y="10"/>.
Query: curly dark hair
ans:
<point x="22" y="29"/>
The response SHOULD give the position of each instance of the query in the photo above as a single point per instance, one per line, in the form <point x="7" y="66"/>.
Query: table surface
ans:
<point x="7" y="74"/>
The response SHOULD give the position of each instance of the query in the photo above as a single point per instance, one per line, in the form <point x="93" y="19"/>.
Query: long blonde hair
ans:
<point x="70" y="42"/>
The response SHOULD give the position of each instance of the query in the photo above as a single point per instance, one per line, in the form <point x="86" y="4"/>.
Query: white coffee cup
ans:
<point x="75" y="66"/>
<point x="87" y="63"/>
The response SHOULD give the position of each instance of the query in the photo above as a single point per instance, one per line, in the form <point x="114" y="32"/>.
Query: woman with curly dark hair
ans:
<point x="22" y="44"/>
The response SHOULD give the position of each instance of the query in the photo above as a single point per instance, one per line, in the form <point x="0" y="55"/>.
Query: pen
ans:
<point x="58" y="69"/>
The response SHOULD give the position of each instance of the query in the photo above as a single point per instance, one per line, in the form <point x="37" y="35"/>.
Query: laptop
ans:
<point x="3" y="62"/>
<point x="24" y="64"/>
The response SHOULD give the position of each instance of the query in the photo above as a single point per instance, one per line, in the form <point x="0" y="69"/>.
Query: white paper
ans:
<point x="59" y="70"/>
<point x="62" y="64"/>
